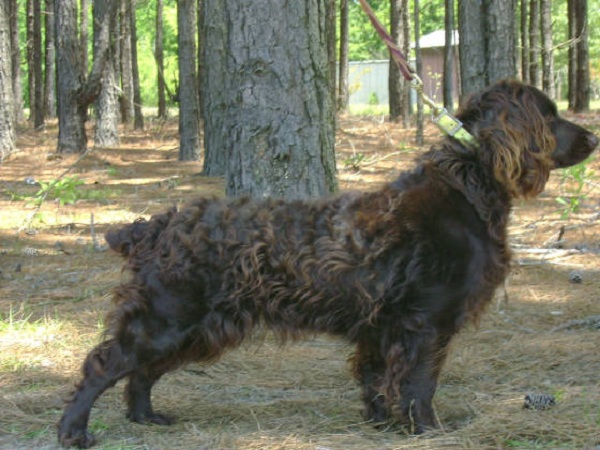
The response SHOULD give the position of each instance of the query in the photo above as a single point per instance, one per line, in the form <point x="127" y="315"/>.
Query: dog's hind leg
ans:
<point x="137" y="394"/>
<point x="103" y="367"/>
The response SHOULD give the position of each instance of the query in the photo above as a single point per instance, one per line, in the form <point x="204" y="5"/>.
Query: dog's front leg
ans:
<point x="412" y="373"/>
<point x="369" y="369"/>
<point x="103" y="367"/>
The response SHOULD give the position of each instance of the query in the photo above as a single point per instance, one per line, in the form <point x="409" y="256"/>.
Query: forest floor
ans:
<point x="541" y="335"/>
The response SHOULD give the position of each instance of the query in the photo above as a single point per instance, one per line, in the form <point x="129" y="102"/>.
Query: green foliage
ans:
<point x="353" y="162"/>
<point x="373" y="99"/>
<point x="146" y="32"/>
<point x="63" y="190"/>
<point x="575" y="179"/>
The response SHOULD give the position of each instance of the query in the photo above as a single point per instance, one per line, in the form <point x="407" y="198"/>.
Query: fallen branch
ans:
<point x="592" y="321"/>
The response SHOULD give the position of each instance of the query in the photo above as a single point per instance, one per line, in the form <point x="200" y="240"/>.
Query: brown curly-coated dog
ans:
<point x="397" y="272"/>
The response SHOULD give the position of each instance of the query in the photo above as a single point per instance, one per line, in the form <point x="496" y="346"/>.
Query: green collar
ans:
<point x="453" y="127"/>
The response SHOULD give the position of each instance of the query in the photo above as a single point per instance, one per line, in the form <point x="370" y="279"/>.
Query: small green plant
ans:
<point x="112" y="171"/>
<point x="576" y="178"/>
<point x="353" y="162"/>
<point x="64" y="190"/>
<point x="373" y="99"/>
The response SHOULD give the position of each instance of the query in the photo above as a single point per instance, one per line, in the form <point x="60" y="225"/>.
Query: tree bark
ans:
<point x="343" y="93"/>
<point x="160" y="61"/>
<point x="548" y="84"/>
<point x="138" y="116"/>
<point x="448" y="75"/>
<point x="330" y="39"/>
<point x="84" y="34"/>
<point x="524" y="41"/>
<point x="17" y="86"/>
<point x="189" y="111"/>
<point x="582" y="71"/>
<point x="395" y="79"/>
<point x="534" y="43"/>
<point x="38" y="78"/>
<point x="75" y="93"/>
<point x="50" y="60"/>
<point x="487" y="43"/>
<point x="572" y="66"/>
<point x="406" y="92"/>
<point x="200" y="57"/>
<point x="7" y="113"/>
<point x="126" y="98"/>
<point x="472" y="48"/>
<point x="268" y="103"/>
<point x="500" y="40"/>
<point x="107" y="102"/>
<point x="420" y="125"/>
<point x="30" y="58"/>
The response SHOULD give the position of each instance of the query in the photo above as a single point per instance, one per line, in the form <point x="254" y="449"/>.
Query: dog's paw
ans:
<point x="76" y="438"/>
<point x="153" y="418"/>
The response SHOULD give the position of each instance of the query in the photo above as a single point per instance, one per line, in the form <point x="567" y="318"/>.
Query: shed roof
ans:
<point x="436" y="39"/>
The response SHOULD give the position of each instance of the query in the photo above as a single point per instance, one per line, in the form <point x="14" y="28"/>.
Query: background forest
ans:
<point x="143" y="139"/>
<point x="363" y="44"/>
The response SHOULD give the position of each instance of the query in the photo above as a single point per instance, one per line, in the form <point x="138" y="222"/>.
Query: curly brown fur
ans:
<point x="397" y="272"/>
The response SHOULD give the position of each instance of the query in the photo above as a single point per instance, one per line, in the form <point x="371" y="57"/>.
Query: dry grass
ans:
<point x="55" y="288"/>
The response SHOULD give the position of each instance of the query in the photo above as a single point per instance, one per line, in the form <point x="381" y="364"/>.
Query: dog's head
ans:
<point x="522" y="137"/>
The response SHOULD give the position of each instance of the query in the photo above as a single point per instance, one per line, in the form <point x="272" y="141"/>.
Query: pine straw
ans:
<point x="301" y="396"/>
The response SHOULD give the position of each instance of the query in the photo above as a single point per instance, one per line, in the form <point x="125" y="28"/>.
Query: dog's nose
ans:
<point x="592" y="140"/>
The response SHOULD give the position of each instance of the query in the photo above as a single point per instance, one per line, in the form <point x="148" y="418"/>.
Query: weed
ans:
<point x="112" y="171"/>
<point x="575" y="178"/>
<point x="353" y="162"/>
<point x="100" y="195"/>
<point x="64" y="190"/>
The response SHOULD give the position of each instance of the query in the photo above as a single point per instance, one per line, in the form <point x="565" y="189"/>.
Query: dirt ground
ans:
<point x="541" y="335"/>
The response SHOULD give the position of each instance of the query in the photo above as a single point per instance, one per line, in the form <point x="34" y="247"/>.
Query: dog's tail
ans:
<point x="123" y="240"/>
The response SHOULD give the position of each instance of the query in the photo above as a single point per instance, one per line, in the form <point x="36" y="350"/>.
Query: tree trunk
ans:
<point x="548" y="83"/>
<point x="7" y="113"/>
<point x="268" y="102"/>
<point x="406" y="92"/>
<point x="524" y="41"/>
<point x="343" y="93"/>
<point x="189" y="111"/>
<point x="126" y="98"/>
<point x="70" y="74"/>
<point x="448" y="75"/>
<point x="582" y="71"/>
<point x="84" y="33"/>
<point x="330" y="39"/>
<point x="75" y="94"/>
<point x="107" y="103"/>
<point x="417" y="21"/>
<point x="534" y="43"/>
<point x="138" y="116"/>
<point x="572" y="66"/>
<point x="30" y="58"/>
<point x="38" y="78"/>
<point x="472" y="48"/>
<point x="485" y="60"/>
<point x="200" y="57"/>
<point x="17" y="86"/>
<point x="395" y="79"/>
<point x="50" y="60"/>
<point x="160" y="60"/>
<point x="500" y="40"/>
